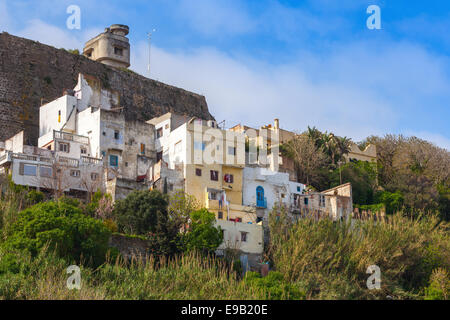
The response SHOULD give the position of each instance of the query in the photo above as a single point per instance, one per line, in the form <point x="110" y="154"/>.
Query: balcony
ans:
<point x="74" y="163"/>
<point x="89" y="160"/>
<point x="261" y="203"/>
<point x="70" y="137"/>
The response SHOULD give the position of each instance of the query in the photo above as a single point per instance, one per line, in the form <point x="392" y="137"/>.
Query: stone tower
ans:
<point x="111" y="47"/>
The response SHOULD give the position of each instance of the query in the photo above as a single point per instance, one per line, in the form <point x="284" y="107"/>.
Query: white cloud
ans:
<point x="60" y="38"/>
<point x="354" y="92"/>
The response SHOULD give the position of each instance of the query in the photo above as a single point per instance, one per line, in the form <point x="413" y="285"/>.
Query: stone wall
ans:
<point x="31" y="71"/>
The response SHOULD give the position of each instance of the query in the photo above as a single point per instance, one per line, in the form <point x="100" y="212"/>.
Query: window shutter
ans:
<point x="21" y="169"/>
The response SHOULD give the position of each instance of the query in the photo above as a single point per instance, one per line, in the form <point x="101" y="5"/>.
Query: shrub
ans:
<point x="63" y="227"/>
<point x="275" y="286"/>
<point x="141" y="212"/>
<point x="34" y="197"/>
<point x="145" y="213"/>
<point x="202" y="234"/>
<point x="439" y="288"/>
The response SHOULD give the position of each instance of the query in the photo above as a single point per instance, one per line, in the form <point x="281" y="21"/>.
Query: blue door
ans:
<point x="260" y="203"/>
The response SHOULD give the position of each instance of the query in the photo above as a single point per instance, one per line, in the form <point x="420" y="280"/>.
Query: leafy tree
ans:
<point x="181" y="206"/>
<point x="202" y="234"/>
<point x="63" y="227"/>
<point x="307" y="157"/>
<point x="145" y="213"/>
<point x="362" y="176"/>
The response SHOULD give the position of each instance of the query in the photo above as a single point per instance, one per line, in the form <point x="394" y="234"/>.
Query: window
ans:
<point x="159" y="133"/>
<point x="94" y="176"/>
<point x="322" y="201"/>
<point x="118" y="51"/>
<point x="142" y="148"/>
<point x="45" y="172"/>
<point x="214" y="175"/>
<point x="212" y="195"/>
<point x="306" y="201"/>
<point x="232" y="151"/>
<point x="28" y="169"/>
<point x="283" y="196"/>
<point x="199" y="145"/>
<point x="170" y="187"/>
<point x="228" y="178"/>
<point x="299" y="189"/>
<point x="103" y="154"/>
<point x="116" y="134"/>
<point x="113" y="161"/>
<point x="83" y="150"/>
<point x="159" y="156"/>
<point x="243" y="236"/>
<point x="178" y="147"/>
<point x="166" y="126"/>
<point x="198" y="172"/>
<point x="220" y="215"/>
<point x="75" y="173"/>
<point x="64" y="147"/>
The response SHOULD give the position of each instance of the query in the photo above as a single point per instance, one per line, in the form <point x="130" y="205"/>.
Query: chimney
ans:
<point x="277" y="124"/>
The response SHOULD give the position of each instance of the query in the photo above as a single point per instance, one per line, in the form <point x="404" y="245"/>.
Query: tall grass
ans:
<point x="330" y="259"/>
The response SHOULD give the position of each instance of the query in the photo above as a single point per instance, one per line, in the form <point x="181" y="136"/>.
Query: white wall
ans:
<point x="274" y="186"/>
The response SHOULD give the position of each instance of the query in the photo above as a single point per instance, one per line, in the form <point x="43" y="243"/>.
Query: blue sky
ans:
<point x="311" y="62"/>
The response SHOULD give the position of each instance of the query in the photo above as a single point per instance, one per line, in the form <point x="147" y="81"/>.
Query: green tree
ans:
<point x="203" y="235"/>
<point x="145" y="213"/>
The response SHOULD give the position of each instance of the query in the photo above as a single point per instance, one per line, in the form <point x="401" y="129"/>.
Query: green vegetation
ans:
<point x="329" y="260"/>
<point x="411" y="175"/>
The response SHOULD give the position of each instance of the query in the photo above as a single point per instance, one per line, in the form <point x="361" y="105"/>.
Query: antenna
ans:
<point x="149" y="34"/>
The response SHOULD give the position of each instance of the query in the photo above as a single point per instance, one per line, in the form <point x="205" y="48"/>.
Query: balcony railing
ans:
<point x="89" y="160"/>
<point x="69" y="162"/>
<point x="70" y="137"/>
<point x="261" y="203"/>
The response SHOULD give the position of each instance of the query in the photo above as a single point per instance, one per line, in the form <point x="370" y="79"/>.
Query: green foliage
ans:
<point x="393" y="202"/>
<point x="439" y="288"/>
<point x="34" y="197"/>
<point x="145" y="213"/>
<point x="202" y="234"/>
<point x="64" y="228"/>
<point x="362" y="175"/>
<point x="142" y="212"/>
<point x="275" y="286"/>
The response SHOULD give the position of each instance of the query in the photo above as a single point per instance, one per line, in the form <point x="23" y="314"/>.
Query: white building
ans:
<point x="85" y="128"/>
<point x="264" y="188"/>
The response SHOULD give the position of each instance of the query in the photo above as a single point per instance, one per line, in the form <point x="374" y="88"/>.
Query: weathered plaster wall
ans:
<point x="30" y="71"/>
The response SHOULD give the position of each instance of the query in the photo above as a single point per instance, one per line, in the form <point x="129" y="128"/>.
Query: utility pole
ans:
<point x="150" y="34"/>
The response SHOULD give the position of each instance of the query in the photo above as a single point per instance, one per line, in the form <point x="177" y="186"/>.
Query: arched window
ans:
<point x="260" y="201"/>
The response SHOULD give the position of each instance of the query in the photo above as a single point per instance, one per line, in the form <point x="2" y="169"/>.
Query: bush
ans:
<point x="34" y="197"/>
<point x="145" y="213"/>
<point x="63" y="227"/>
<point x="141" y="212"/>
<point x="439" y="288"/>
<point x="202" y="234"/>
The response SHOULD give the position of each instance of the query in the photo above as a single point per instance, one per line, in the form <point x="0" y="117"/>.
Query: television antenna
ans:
<point x="150" y="34"/>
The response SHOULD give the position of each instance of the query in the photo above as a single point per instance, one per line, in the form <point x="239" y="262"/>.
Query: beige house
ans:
<point x="335" y="203"/>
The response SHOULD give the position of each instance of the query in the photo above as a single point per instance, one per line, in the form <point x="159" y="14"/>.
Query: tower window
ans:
<point x="118" y="51"/>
